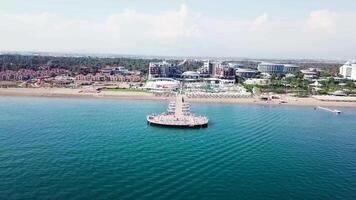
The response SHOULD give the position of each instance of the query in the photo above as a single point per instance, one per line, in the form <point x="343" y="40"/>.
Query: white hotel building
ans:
<point x="273" y="68"/>
<point x="348" y="70"/>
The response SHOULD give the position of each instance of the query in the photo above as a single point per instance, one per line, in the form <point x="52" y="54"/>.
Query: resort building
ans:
<point x="216" y="81"/>
<point x="224" y="71"/>
<point x="123" y="70"/>
<point x="206" y="68"/>
<point x="29" y="74"/>
<point x="190" y="75"/>
<point x="246" y="73"/>
<point x="270" y="68"/>
<point x="236" y="65"/>
<point x="348" y="70"/>
<point x="290" y="68"/>
<point x="311" y="73"/>
<point x="273" y="68"/>
<point x="162" y="70"/>
<point x="107" y="70"/>
<point x="108" y="78"/>
<point x="216" y="84"/>
<point x="289" y="75"/>
<point x="115" y="70"/>
<point x="63" y="81"/>
<point x="162" y="84"/>
<point x="255" y="81"/>
<point x="338" y="93"/>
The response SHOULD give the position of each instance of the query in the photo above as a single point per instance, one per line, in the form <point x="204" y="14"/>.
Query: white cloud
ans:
<point x="167" y="25"/>
<point x="322" y="33"/>
<point x="322" y="19"/>
<point x="259" y="22"/>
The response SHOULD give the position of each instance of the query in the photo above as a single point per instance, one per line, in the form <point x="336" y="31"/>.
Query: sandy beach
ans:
<point x="78" y="93"/>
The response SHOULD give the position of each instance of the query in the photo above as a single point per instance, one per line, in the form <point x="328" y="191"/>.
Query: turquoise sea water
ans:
<point x="103" y="149"/>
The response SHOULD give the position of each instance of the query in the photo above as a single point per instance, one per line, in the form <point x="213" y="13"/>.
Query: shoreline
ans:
<point x="129" y="95"/>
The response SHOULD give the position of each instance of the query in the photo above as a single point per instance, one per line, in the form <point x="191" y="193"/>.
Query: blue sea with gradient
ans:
<point x="52" y="148"/>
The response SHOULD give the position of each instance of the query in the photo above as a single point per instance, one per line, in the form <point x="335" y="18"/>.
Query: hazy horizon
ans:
<point x="316" y="29"/>
<point x="163" y="57"/>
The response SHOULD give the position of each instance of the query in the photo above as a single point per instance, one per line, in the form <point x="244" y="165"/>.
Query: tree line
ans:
<point x="73" y="64"/>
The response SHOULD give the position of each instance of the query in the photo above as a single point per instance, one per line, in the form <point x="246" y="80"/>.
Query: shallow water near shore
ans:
<point x="103" y="149"/>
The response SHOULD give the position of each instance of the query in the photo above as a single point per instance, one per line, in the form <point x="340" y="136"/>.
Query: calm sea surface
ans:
<point x="103" y="149"/>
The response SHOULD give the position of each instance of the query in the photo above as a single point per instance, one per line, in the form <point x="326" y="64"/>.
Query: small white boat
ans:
<point x="330" y="110"/>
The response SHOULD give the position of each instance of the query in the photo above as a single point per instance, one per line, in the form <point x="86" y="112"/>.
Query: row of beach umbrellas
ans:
<point x="218" y="95"/>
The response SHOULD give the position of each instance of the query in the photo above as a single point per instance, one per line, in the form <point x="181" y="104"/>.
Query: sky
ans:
<point x="324" y="29"/>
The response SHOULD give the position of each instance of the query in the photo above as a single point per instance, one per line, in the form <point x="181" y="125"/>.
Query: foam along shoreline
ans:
<point x="130" y="95"/>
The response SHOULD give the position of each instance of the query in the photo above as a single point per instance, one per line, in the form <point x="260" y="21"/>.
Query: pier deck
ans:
<point x="178" y="115"/>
